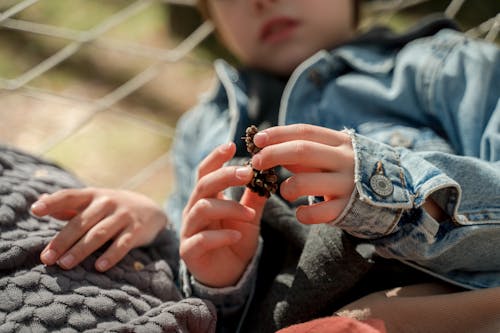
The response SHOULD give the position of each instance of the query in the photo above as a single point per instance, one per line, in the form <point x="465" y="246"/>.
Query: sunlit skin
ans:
<point x="96" y="216"/>
<point x="322" y="162"/>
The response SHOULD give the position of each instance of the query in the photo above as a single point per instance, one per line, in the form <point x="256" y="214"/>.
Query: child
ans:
<point x="393" y="138"/>
<point x="386" y="145"/>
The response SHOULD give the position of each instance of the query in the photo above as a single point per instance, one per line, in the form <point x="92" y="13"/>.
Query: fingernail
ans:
<point x="227" y="146"/>
<point x="261" y="138"/>
<point x="38" y="205"/>
<point x="256" y="161"/>
<point x="49" y="256"/>
<point x="243" y="172"/>
<point x="250" y="213"/>
<point x="66" y="261"/>
<point x="102" y="264"/>
<point x="236" y="236"/>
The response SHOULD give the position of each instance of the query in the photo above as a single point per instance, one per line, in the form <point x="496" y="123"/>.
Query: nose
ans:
<point x="261" y="5"/>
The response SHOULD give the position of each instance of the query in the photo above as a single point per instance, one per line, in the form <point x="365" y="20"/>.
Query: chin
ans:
<point x="283" y="67"/>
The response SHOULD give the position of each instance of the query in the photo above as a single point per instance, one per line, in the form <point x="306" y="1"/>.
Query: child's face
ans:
<point x="277" y="35"/>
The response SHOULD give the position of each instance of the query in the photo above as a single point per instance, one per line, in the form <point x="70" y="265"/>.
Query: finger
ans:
<point x="301" y="168"/>
<point x="123" y="243"/>
<point x="307" y="153"/>
<point x="202" y="243"/>
<point x="247" y="245"/>
<point x="216" y="159"/>
<point x="205" y="211"/>
<point x="90" y="242"/>
<point x="323" y="212"/>
<point x="306" y="132"/>
<point x="61" y="201"/>
<point x="255" y="202"/>
<point x="65" y="215"/>
<point x="217" y="181"/>
<point x="39" y="208"/>
<point x="327" y="184"/>
<point x="74" y="230"/>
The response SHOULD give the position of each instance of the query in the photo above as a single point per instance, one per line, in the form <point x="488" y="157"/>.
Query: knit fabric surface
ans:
<point x="137" y="295"/>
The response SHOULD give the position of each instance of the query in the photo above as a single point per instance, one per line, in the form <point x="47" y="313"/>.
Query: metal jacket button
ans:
<point x="380" y="183"/>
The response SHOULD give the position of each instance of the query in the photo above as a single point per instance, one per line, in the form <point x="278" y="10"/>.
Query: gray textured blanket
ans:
<point x="138" y="295"/>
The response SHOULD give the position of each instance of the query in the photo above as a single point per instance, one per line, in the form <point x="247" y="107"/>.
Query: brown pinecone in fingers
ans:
<point x="249" y="134"/>
<point x="264" y="182"/>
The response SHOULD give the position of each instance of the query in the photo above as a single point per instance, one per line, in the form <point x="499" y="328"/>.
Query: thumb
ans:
<point x="253" y="200"/>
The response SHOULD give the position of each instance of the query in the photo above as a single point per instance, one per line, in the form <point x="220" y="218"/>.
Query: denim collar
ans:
<point x="382" y="36"/>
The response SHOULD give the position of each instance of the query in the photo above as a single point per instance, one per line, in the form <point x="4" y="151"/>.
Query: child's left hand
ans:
<point x="322" y="161"/>
<point x="95" y="216"/>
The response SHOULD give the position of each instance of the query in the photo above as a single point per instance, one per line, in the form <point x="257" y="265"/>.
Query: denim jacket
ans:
<point x="425" y="123"/>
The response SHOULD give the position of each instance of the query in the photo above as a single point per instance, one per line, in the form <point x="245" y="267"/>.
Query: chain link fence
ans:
<point x="112" y="119"/>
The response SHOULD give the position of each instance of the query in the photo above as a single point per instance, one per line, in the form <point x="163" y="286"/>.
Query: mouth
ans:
<point x="278" y="29"/>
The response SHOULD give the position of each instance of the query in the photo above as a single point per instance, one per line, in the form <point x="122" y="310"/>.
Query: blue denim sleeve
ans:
<point x="459" y="87"/>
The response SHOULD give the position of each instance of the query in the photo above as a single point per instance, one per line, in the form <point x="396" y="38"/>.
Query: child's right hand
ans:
<point x="220" y="236"/>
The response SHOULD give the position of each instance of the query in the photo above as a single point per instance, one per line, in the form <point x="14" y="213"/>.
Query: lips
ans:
<point x="278" y="29"/>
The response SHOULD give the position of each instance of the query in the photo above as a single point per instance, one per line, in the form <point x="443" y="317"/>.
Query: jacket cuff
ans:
<point x="228" y="299"/>
<point x="380" y="194"/>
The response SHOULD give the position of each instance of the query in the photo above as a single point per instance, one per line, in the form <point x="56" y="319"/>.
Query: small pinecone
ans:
<point x="264" y="182"/>
<point x="249" y="134"/>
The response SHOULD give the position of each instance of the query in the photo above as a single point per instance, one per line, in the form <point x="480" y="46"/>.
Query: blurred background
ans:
<point x="97" y="86"/>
